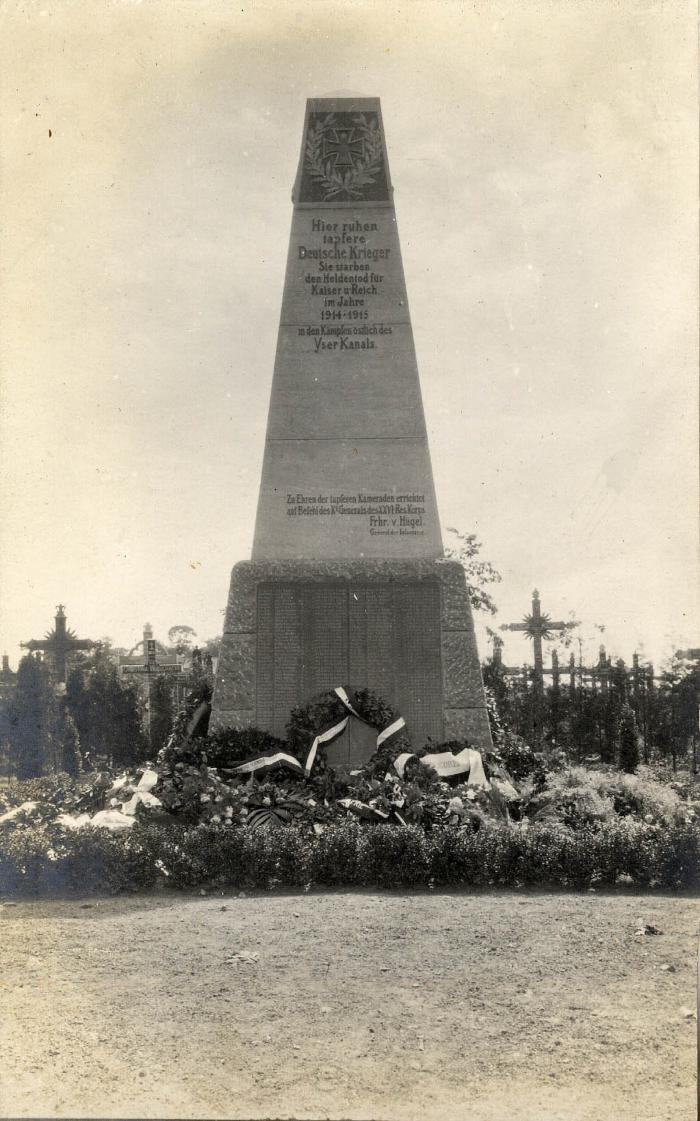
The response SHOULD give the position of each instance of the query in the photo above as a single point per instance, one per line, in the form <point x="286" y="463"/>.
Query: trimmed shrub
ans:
<point x="35" y="859"/>
<point x="189" y="857"/>
<point x="37" y="862"/>
<point x="25" y="858"/>
<point x="396" y="857"/>
<point x="234" y="857"/>
<point x="456" y="857"/>
<point x="337" y="856"/>
<point x="674" y="858"/>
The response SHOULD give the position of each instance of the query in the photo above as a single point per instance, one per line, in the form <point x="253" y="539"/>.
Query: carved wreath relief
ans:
<point x="343" y="158"/>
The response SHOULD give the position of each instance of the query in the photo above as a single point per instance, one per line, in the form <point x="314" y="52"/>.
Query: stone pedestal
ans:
<point x="400" y="628"/>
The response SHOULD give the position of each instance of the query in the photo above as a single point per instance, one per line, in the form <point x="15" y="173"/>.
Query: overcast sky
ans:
<point x="544" y="161"/>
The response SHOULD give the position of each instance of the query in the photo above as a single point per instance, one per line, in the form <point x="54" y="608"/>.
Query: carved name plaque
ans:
<point x="346" y="472"/>
<point x="312" y="637"/>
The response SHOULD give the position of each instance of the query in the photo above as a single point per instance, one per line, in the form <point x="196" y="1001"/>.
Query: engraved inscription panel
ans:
<point x="324" y="647"/>
<point x="416" y="643"/>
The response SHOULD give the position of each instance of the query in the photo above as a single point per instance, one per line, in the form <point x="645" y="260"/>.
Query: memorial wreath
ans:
<point x="316" y="724"/>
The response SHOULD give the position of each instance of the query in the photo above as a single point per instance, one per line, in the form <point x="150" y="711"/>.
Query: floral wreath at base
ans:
<point x="324" y="719"/>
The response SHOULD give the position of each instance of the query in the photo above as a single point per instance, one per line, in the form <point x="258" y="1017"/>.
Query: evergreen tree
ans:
<point x="106" y="713"/>
<point x="32" y="719"/>
<point x="629" y="745"/>
<point x="130" y="744"/>
<point x="674" y="711"/>
<point x="5" y="748"/>
<point x="585" y="725"/>
<point x="162" y="713"/>
<point x="609" y="728"/>
<point x="76" y="699"/>
<point x="67" y="743"/>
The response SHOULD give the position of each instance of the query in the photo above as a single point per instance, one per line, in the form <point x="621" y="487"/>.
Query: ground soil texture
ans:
<point x="480" y="1006"/>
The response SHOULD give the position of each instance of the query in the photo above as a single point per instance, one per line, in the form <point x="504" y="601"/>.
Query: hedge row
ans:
<point x="349" y="854"/>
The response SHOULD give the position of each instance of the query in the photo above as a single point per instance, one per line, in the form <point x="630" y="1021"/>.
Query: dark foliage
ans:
<point x="106" y="714"/>
<point x="586" y="721"/>
<point x="68" y="743"/>
<point x="629" y="748"/>
<point x="33" y="861"/>
<point x="33" y="716"/>
<point x="230" y="746"/>
<point x="162" y="713"/>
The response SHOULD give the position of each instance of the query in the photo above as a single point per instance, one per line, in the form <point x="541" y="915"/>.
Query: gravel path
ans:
<point x="486" y="1007"/>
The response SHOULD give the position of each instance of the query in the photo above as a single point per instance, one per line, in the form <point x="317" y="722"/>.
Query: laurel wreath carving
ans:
<point x="355" y="179"/>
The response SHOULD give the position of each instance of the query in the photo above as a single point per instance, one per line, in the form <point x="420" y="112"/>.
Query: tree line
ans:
<point x="95" y="722"/>
<point x="628" y="719"/>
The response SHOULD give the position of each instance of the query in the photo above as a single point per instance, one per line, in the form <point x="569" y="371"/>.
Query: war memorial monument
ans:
<point x="348" y="583"/>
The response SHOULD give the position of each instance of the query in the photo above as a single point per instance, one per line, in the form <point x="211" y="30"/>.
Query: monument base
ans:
<point x="402" y="629"/>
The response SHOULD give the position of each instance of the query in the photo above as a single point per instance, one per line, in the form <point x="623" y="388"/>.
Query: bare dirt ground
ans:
<point x="482" y="1007"/>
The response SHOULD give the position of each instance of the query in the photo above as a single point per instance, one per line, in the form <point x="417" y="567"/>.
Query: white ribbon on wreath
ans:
<point x="337" y="729"/>
<point x="324" y="737"/>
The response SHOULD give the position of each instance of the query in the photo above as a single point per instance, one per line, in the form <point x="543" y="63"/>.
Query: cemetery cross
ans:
<point x="538" y="626"/>
<point x="59" y="643"/>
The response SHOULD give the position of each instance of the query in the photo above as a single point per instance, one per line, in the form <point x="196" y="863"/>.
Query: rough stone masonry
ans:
<point x="348" y="583"/>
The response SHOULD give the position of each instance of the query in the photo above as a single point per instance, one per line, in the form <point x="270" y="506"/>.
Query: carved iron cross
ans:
<point x="342" y="147"/>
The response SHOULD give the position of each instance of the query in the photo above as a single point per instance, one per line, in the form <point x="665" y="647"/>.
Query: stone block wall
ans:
<point x="463" y="712"/>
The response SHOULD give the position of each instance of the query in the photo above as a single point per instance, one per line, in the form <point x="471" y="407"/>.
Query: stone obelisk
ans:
<point x="348" y="583"/>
